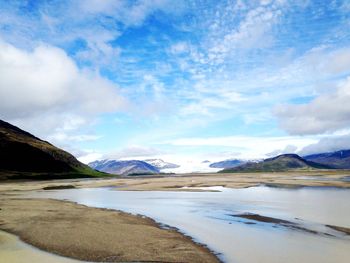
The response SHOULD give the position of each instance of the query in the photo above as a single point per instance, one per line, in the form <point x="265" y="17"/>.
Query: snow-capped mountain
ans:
<point x="124" y="167"/>
<point x="160" y="164"/>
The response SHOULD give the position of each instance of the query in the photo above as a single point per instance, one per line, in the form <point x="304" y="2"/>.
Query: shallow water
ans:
<point x="13" y="250"/>
<point x="207" y="217"/>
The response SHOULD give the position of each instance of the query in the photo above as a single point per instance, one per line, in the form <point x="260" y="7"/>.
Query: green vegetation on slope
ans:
<point x="281" y="163"/>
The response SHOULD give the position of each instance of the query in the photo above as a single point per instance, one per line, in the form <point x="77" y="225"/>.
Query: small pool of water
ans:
<point x="208" y="218"/>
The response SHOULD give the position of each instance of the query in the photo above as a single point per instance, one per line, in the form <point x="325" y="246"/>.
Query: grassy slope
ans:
<point x="74" y="173"/>
<point x="280" y="163"/>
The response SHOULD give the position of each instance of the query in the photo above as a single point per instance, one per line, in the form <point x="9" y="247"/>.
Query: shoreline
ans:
<point x="117" y="236"/>
<point x="14" y="250"/>
<point x="337" y="179"/>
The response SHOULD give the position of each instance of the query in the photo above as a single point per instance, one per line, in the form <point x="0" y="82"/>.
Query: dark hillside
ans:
<point x="22" y="155"/>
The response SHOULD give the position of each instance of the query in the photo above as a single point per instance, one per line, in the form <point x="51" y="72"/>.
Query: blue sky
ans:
<point x="180" y="80"/>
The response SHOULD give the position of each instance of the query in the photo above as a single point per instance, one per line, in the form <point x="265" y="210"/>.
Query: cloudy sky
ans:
<point x="181" y="80"/>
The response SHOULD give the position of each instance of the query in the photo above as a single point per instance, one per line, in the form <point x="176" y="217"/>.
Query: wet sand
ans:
<point x="13" y="250"/>
<point x="94" y="234"/>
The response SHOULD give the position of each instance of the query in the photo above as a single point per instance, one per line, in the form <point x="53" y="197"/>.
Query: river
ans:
<point x="288" y="225"/>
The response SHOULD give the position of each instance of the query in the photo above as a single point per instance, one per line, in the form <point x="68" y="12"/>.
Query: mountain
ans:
<point x="132" y="167"/>
<point x="284" y="162"/>
<point x="338" y="159"/>
<point x="160" y="164"/>
<point x="227" y="164"/>
<point x="24" y="156"/>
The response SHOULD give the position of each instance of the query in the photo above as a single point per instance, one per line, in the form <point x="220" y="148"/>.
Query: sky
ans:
<point x="185" y="81"/>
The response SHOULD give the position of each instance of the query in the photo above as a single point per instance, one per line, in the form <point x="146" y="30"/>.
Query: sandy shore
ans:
<point x="94" y="234"/>
<point x="13" y="250"/>
<point x="190" y="181"/>
<point x="239" y="180"/>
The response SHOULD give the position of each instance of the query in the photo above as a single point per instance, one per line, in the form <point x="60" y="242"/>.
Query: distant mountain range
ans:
<point x="160" y="164"/>
<point x="281" y="163"/>
<point x="227" y="164"/>
<point x="22" y="155"/>
<point x="338" y="159"/>
<point x="284" y="162"/>
<point x="132" y="167"/>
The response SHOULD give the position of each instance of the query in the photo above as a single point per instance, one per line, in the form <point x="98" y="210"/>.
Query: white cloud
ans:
<point x="325" y="60"/>
<point x="204" y="105"/>
<point x="195" y="109"/>
<point x="63" y="137"/>
<point x="46" y="78"/>
<point x="98" y="6"/>
<point x="130" y="13"/>
<point x="43" y="89"/>
<point x="338" y="62"/>
<point x="248" y="146"/>
<point x="134" y="151"/>
<point x="265" y="2"/>
<point x="48" y="123"/>
<point x="179" y="48"/>
<point x="253" y="32"/>
<point x="95" y="24"/>
<point x="90" y="156"/>
<point x="327" y="113"/>
<point x="157" y="87"/>
<point x="328" y="144"/>
<point x="211" y="95"/>
<point x="98" y="48"/>
<point x="288" y="149"/>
